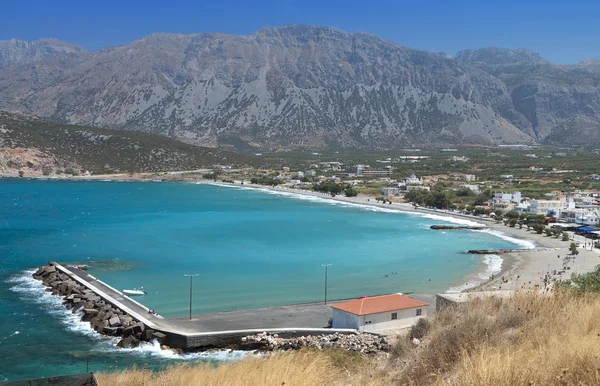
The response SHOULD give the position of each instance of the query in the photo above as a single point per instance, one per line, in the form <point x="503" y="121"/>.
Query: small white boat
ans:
<point x="135" y="291"/>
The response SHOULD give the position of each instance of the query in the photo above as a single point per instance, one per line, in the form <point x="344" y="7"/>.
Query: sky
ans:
<point x="561" y="31"/>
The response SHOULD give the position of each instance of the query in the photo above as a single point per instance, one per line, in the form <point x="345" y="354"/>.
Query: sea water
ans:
<point x="250" y="248"/>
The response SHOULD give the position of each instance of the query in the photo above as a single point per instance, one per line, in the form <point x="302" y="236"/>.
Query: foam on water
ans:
<point x="493" y="267"/>
<point x="526" y="244"/>
<point x="153" y="350"/>
<point x="330" y="201"/>
<point x="35" y="291"/>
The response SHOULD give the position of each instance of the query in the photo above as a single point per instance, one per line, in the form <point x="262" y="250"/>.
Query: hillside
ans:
<point x="301" y="86"/>
<point x="531" y="339"/>
<point x="562" y="103"/>
<point x="293" y="86"/>
<point x="38" y="147"/>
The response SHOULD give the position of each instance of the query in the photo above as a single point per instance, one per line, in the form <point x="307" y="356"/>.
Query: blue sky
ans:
<point x="561" y="31"/>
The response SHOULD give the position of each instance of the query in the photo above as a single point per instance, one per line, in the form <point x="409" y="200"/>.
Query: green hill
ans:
<point x="100" y="150"/>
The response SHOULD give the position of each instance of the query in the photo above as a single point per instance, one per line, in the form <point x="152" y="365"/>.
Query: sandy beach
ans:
<point x="520" y="270"/>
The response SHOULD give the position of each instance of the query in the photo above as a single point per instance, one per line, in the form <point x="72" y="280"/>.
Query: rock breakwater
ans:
<point x="104" y="318"/>
<point x="358" y="342"/>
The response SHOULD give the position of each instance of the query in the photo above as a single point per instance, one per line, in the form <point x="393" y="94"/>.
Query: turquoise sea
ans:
<point x="250" y="248"/>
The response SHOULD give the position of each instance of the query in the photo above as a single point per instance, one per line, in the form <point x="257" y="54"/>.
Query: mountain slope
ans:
<point x="561" y="103"/>
<point x="291" y="86"/>
<point x="17" y="51"/>
<point x="60" y="147"/>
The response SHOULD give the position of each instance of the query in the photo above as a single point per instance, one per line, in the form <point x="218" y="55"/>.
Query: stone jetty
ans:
<point x="104" y="318"/>
<point x="457" y="227"/>
<point x="113" y="314"/>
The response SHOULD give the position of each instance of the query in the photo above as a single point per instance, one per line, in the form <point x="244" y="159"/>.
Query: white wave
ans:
<point x="331" y="201"/>
<point x="526" y="244"/>
<point x="153" y="349"/>
<point x="493" y="267"/>
<point x="35" y="291"/>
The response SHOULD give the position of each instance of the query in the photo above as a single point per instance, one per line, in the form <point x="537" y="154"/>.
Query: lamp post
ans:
<point x="326" y="266"/>
<point x="191" y="276"/>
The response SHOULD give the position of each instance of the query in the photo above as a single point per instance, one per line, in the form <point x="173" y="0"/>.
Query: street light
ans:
<point x="191" y="277"/>
<point x="326" y="266"/>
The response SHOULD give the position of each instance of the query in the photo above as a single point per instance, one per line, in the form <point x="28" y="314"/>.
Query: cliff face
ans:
<point x="561" y="103"/>
<point x="17" y="51"/>
<point x="303" y="86"/>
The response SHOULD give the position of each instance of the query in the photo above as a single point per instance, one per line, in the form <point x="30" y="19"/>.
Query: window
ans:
<point x="419" y="311"/>
<point x="394" y="315"/>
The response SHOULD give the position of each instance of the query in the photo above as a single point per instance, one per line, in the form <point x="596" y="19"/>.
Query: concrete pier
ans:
<point x="215" y="330"/>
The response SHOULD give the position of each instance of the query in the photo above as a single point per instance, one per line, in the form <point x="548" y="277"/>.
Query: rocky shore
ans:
<point x="103" y="317"/>
<point x="359" y="342"/>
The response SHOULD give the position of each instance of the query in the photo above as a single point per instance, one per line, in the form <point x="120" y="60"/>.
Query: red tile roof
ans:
<point x="379" y="304"/>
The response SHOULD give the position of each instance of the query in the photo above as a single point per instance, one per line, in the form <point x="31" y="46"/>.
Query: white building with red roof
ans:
<point x="378" y="313"/>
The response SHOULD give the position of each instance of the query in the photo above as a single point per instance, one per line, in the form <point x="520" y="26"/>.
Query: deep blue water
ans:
<point x="249" y="247"/>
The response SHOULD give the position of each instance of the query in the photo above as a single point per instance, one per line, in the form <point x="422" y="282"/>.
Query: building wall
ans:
<point x="343" y="319"/>
<point x="383" y="321"/>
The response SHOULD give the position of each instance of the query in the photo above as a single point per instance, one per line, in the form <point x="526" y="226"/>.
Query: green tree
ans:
<point x="565" y="236"/>
<point x="512" y="214"/>
<point x="587" y="282"/>
<point x="351" y="192"/>
<point x="573" y="249"/>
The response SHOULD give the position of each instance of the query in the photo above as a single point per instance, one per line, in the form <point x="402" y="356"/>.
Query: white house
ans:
<point x="506" y="198"/>
<point x="378" y="313"/>
<point x="413" y="180"/>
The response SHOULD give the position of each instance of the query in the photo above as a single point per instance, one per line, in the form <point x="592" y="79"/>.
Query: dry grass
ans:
<point x="527" y="340"/>
<point x="292" y="368"/>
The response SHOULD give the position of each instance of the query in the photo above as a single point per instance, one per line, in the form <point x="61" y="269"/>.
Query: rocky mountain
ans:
<point x="17" y="51"/>
<point x="561" y="103"/>
<point x="36" y="147"/>
<point x="304" y="86"/>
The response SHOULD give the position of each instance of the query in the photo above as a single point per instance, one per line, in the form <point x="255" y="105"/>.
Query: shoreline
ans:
<point x="519" y="270"/>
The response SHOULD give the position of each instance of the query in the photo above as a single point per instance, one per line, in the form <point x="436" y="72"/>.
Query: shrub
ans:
<point x="420" y="329"/>
<point x="351" y="192"/>
<point x="565" y="237"/>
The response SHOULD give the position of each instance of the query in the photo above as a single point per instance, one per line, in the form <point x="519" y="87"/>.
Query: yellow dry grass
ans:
<point x="530" y="339"/>
<point x="302" y="368"/>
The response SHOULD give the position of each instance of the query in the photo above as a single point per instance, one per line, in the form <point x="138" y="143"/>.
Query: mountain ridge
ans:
<point x="305" y="86"/>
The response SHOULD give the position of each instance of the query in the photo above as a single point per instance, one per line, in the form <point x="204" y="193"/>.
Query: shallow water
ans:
<point x="251" y="249"/>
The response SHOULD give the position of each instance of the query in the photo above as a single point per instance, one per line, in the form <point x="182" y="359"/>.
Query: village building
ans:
<point x="378" y="313"/>
<point x="413" y="180"/>
<point x="506" y="198"/>
<point x="390" y="191"/>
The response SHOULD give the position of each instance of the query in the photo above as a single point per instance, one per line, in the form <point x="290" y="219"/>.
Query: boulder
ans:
<point x="100" y="325"/>
<point x="147" y="334"/>
<point x="128" y="342"/>
<point x="160" y="337"/>
<point x="114" y="321"/>
<point x="112" y="331"/>
<point x="48" y="270"/>
<point x="88" y="314"/>
<point x="136" y="329"/>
